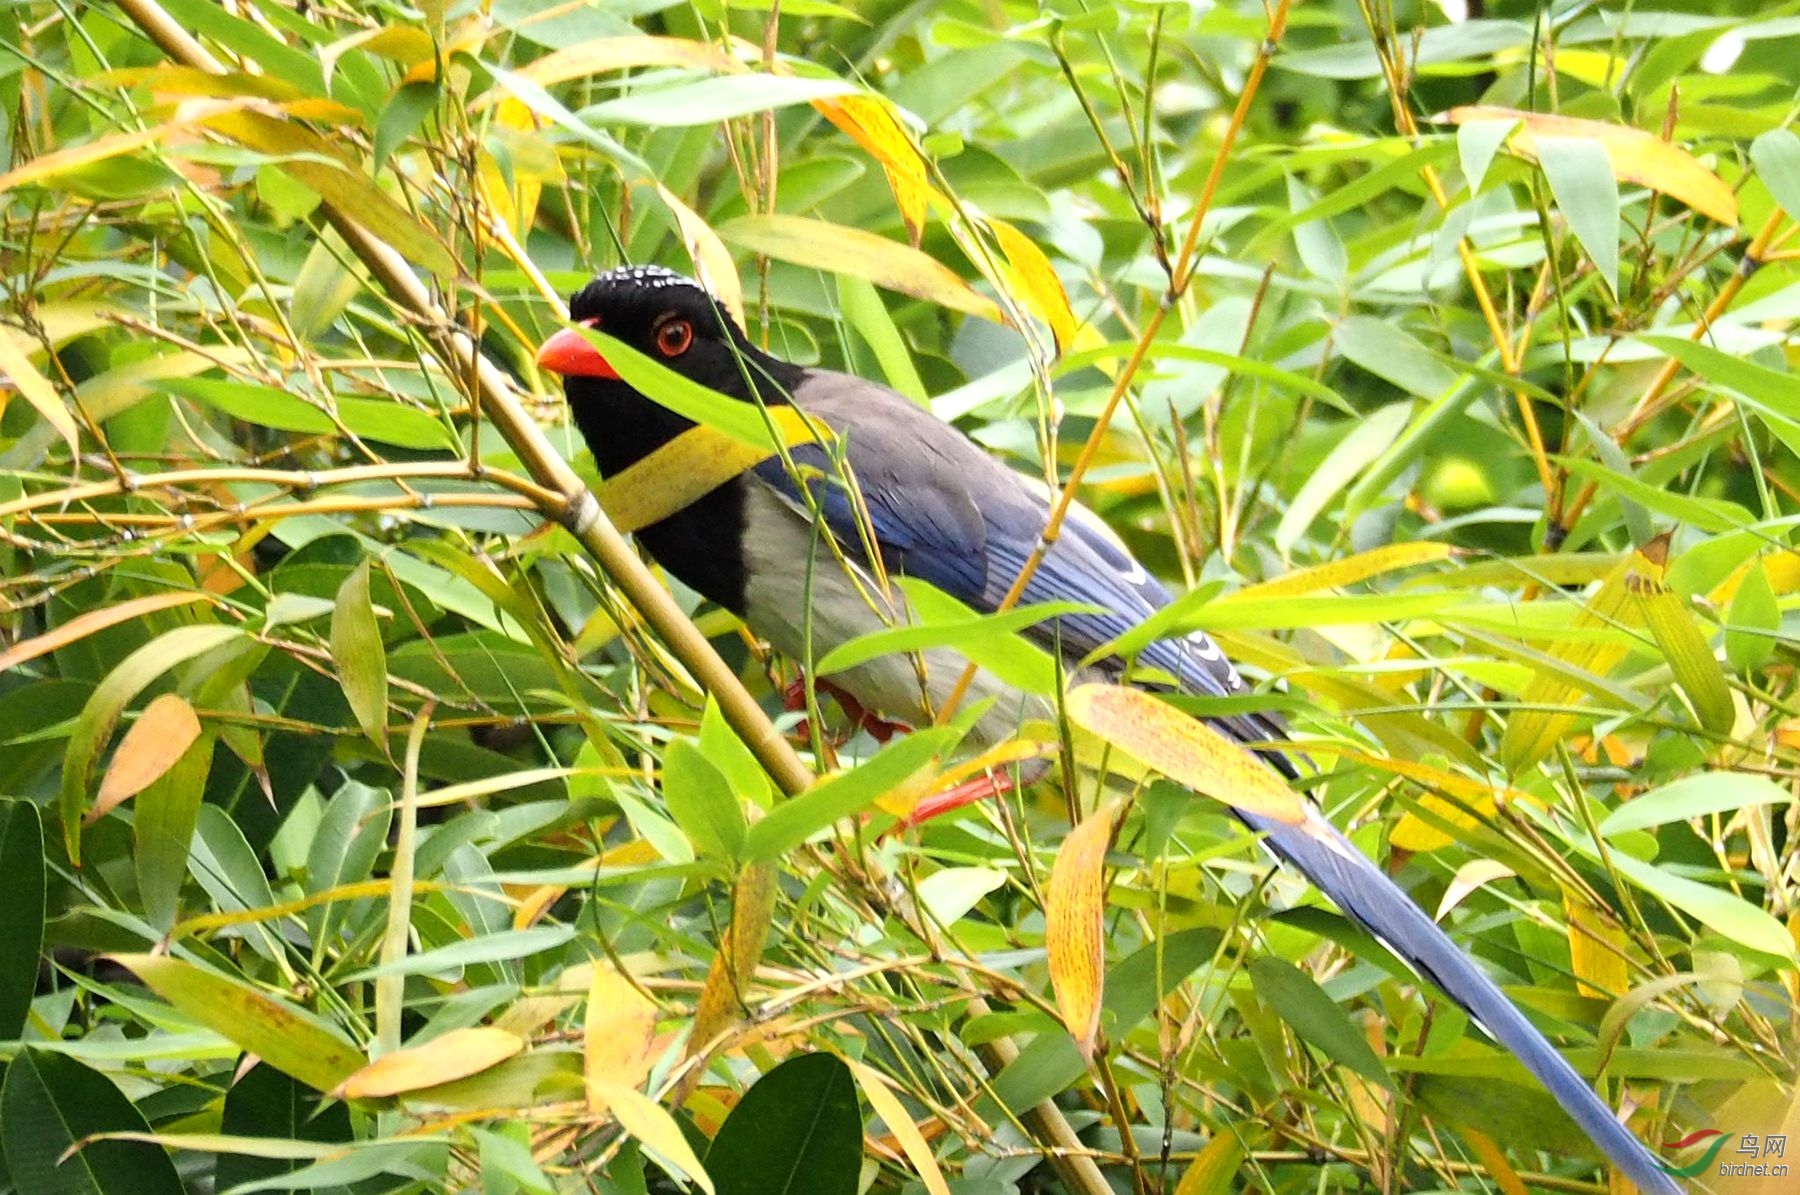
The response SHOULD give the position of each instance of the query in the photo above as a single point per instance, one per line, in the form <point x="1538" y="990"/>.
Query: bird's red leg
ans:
<point x="879" y="729"/>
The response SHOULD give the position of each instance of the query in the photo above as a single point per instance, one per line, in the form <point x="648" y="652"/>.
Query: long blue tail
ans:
<point x="1365" y="894"/>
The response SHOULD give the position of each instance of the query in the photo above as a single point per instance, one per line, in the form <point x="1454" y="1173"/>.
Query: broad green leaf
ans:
<point x="1716" y="908"/>
<point x="797" y="1131"/>
<point x="22" y="929"/>
<point x="504" y="946"/>
<point x="371" y="419"/>
<point x="966" y="634"/>
<point x="361" y="659"/>
<point x="742" y="421"/>
<point x="1752" y="621"/>
<point x="49" y="1106"/>
<point x="1394" y="354"/>
<point x="847" y="793"/>
<point x="702" y="803"/>
<point x="270" y="1107"/>
<point x="95" y="726"/>
<point x="1776" y="155"/>
<point x="285" y="1036"/>
<point x="1360" y="446"/>
<point x="1706" y="514"/>
<point x="1581" y="179"/>
<point x="1698" y="795"/>
<point x="1315" y="1016"/>
<point x="163" y="827"/>
<point x="709" y="100"/>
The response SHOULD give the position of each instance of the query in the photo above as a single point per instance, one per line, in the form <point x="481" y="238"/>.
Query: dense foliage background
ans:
<point x="1473" y="432"/>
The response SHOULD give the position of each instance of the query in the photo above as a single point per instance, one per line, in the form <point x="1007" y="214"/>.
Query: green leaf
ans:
<point x="405" y="112"/>
<point x="1366" y="440"/>
<point x="1316" y="1017"/>
<point x="361" y="659"/>
<point x="708" y="101"/>
<point x="285" y="1036"/>
<point x="270" y="1105"/>
<point x="22" y="896"/>
<point x="969" y="635"/>
<point x="163" y="829"/>
<point x="371" y="419"/>
<point x="797" y="1131"/>
<point x="687" y="398"/>
<point x="503" y="946"/>
<point x="701" y="802"/>
<point x="1694" y="796"/>
<point x="847" y="793"/>
<point x="48" y="1106"/>
<point x="1753" y="620"/>
<point x="1776" y="155"/>
<point x="101" y="714"/>
<point x="1393" y="353"/>
<point x="1715" y="908"/>
<point x="1587" y="193"/>
<point x="1706" y="514"/>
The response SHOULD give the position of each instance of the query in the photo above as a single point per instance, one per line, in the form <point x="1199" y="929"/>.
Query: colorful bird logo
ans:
<point x="1705" y="1160"/>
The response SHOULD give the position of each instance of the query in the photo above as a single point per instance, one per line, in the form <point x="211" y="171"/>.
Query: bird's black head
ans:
<point x="671" y="319"/>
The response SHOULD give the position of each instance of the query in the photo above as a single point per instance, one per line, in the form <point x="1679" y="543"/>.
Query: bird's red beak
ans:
<point x="569" y="353"/>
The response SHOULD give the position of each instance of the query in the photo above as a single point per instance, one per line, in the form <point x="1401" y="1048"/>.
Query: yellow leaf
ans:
<point x="1697" y="670"/>
<point x="1348" y="571"/>
<point x="1035" y="281"/>
<point x="617" y="1035"/>
<point x="17" y="370"/>
<point x="444" y="1059"/>
<point x="81" y="626"/>
<point x="1494" y="1158"/>
<point x="160" y="736"/>
<point x="1636" y="156"/>
<point x="653" y="1128"/>
<point x="1597" y="950"/>
<point x="712" y="261"/>
<point x="1074" y="924"/>
<point x="1540" y="723"/>
<point x="187" y="115"/>
<point x="728" y="980"/>
<point x="288" y="1038"/>
<point x="871" y="123"/>
<point x="1183" y="748"/>
<point x="839" y="249"/>
<point x="313" y="161"/>
<point x="1214" y="1169"/>
<point x="686" y="469"/>
<point x="899" y="1122"/>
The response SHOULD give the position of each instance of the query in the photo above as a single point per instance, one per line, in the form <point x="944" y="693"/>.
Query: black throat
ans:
<point x="702" y="545"/>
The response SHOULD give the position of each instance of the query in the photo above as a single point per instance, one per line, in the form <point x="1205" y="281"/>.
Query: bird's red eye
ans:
<point x="674" y="337"/>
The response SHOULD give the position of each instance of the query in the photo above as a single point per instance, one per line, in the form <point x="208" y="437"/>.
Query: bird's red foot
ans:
<point x="878" y="729"/>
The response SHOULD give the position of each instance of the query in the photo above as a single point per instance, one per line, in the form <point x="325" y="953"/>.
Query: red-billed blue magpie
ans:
<point x="928" y="503"/>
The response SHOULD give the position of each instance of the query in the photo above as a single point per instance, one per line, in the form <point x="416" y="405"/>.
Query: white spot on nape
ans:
<point x="1136" y="575"/>
<point x="654" y="277"/>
